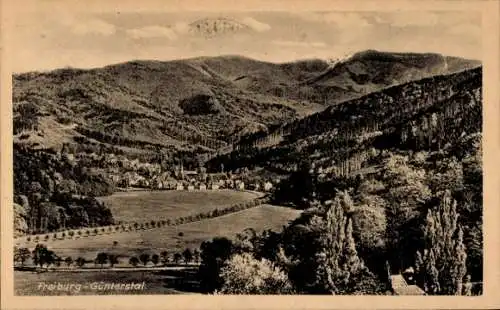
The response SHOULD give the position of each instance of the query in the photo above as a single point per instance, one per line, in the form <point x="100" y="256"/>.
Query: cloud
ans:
<point x="298" y="43"/>
<point x="94" y="26"/>
<point x="152" y="32"/>
<point x="409" y="18"/>
<point x="346" y="20"/>
<point x="340" y="19"/>
<point x="256" y="25"/>
<point x="91" y="26"/>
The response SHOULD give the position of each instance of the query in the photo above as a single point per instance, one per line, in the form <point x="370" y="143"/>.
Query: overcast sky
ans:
<point x="53" y="37"/>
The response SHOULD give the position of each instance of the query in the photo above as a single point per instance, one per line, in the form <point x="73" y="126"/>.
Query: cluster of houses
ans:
<point x="225" y="184"/>
<point x="151" y="176"/>
<point x="190" y="181"/>
<point x="134" y="179"/>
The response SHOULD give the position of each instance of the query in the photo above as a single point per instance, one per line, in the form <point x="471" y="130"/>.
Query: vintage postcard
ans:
<point x="256" y="155"/>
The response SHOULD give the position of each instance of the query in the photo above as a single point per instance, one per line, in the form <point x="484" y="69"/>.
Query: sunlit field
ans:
<point x="152" y="205"/>
<point x="173" y="238"/>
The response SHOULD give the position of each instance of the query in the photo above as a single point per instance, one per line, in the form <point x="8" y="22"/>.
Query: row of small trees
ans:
<point x="42" y="256"/>
<point x="187" y="256"/>
<point x="151" y="224"/>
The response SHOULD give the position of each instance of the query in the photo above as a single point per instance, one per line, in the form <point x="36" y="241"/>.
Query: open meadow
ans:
<point x="153" y="205"/>
<point x="173" y="238"/>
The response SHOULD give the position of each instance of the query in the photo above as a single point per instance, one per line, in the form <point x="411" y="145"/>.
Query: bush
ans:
<point x="134" y="261"/>
<point x="243" y="274"/>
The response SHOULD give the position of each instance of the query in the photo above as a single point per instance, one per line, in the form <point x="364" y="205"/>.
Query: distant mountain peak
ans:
<point x="332" y="62"/>
<point x="211" y="27"/>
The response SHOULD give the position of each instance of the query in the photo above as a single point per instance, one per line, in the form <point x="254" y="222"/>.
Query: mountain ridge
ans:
<point x="143" y="100"/>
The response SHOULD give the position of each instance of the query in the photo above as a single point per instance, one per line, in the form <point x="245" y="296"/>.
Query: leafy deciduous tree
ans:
<point x="134" y="261"/>
<point x="101" y="259"/>
<point x="68" y="260"/>
<point x="338" y="262"/>
<point x="80" y="262"/>
<point x="144" y="258"/>
<point x="155" y="259"/>
<point x="243" y="274"/>
<point x="21" y="255"/>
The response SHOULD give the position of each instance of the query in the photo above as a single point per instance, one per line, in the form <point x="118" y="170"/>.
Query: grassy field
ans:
<point x="141" y="206"/>
<point x="169" y="238"/>
<point x="153" y="205"/>
<point x="155" y="282"/>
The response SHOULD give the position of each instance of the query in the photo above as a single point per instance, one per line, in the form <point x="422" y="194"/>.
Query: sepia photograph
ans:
<point x="246" y="152"/>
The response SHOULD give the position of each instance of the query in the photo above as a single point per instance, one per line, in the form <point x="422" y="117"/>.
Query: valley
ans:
<point x="227" y="162"/>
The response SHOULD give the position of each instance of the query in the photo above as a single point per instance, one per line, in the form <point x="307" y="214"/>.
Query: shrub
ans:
<point x="243" y="274"/>
<point x="80" y="262"/>
<point x="134" y="261"/>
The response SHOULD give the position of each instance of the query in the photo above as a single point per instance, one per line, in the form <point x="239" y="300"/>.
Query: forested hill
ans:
<point x="425" y="114"/>
<point x="403" y="167"/>
<point x="196" y="104"/>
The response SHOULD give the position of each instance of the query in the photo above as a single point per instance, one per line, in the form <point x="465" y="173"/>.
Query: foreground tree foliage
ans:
<point x="385" y="218"/>
<point x="406" y="194"/>
<point x="102" y="258"/>
<point x="21" y="255"/>
<point x="316" y="254"/>
<point x="369" y="223"/>
<point x="213" y="256"/>
<point x="243" y="274"/>
<point x="43" y="256"/>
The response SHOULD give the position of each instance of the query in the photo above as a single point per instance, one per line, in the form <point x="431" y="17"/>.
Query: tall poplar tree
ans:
<point x="338" y="262"/>
<point x="441" y="266"/>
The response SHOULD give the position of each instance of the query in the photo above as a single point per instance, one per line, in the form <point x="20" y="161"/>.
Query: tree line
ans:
<point x="42" y="256"/>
